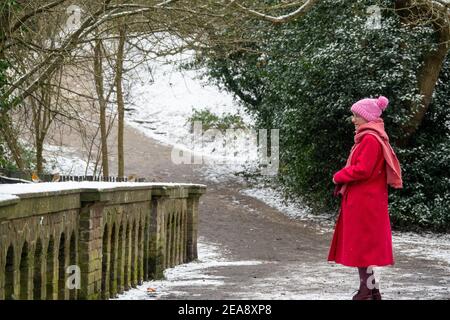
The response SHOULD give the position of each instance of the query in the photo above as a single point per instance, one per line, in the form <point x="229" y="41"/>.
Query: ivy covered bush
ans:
<point x="425" y="200"/>
<point x="302" y="77"/>
<point x="210" y="120"/>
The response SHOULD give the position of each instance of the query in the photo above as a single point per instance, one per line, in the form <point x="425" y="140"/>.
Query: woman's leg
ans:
<point x="364" y="275"/>
<point x="366" y="291"/>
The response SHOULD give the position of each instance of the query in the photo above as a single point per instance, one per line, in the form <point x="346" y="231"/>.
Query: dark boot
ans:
<point x="364" y="293"/>
<point x="376" y="294"/>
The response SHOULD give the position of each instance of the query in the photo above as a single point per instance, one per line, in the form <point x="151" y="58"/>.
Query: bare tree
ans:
<point x="43" y="114"/>
<point x="33" y="62"/>
<point x="120" y="99"/>
<point x="11" y="138"/>
<point x="99" y="85"/>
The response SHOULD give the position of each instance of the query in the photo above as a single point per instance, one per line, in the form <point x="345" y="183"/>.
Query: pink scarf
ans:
<point x="393" y="170"/>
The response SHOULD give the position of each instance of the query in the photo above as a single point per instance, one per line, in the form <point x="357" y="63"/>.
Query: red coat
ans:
<point x="362" y="235"/>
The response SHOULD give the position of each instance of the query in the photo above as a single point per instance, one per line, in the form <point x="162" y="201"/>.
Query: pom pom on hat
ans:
<point x="370" y="109"/>
<point x="382" y="102"/>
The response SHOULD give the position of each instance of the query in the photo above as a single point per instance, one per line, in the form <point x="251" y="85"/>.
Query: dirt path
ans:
<point x="250" y="250"/>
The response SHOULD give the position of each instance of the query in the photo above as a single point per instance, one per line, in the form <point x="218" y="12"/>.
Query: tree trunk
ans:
<point x="4" y="27"/>
<point x="39" y="157"/>
<point x="36" y="109"/>
<point x="120" y="100"/>
<point x="10" y="138"/>
<point x="43" y="115"/>
<point x="98" y="76"/>
<point x="428" y="74"/>
<point x="40" y="116"/>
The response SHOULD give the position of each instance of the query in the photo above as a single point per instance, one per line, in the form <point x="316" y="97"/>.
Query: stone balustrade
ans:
<point x="91" y="240"/>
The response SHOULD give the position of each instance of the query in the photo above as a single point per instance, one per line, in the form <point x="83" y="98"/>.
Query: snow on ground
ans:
<point x="65" y="161"/>
<point x="428" y="246"/>
<point x="181" y="278"/>
<point x="291" y="282"/>
<point x="322" y="281"/>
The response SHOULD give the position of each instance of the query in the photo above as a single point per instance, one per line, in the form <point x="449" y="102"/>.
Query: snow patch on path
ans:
<point x="323" y="281"/>
<point x="179" y="279"/>
<point x="293" y="209"/>
<point x="428" y="246"/>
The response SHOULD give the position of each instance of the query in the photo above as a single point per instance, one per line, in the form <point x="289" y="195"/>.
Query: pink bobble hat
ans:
<point x="370" y="109"/>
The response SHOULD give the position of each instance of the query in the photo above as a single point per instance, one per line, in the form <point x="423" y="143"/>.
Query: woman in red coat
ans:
<point x="362" y="236"/>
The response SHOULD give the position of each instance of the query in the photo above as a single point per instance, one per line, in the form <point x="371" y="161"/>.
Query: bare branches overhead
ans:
<point x="300" y="11"/>
<point x="18" y="26"/>
<point x="200" y="23"/>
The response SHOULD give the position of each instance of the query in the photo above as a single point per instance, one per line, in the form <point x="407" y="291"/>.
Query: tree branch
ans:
<point x="308" y="5"/>
<point x="31" y="14"/>
<point x="51" y="61"/>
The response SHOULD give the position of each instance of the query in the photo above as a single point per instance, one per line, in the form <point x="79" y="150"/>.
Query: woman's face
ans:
<point x="357" y="120"/>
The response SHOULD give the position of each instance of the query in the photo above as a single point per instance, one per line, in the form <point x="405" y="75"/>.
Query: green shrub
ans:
<point x="210" y="120"/>
<point x="310" y="74"/>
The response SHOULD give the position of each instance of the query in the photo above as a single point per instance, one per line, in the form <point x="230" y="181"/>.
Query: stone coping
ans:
<point x="26" y="190"/>
<point x="8" y="199"/>
<point x="39" y="198"/>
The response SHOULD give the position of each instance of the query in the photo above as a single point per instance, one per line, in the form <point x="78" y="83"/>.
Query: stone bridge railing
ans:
<point x="92" y="240"/>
